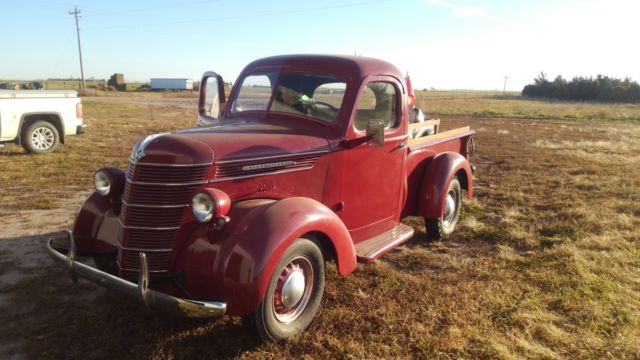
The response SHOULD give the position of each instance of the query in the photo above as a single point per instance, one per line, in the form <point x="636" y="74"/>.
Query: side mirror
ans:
<point x="212" y="100"/>
<point x="375" y="131"/>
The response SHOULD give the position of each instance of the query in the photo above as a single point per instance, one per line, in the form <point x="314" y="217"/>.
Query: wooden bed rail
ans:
<point x="433" y="122"/>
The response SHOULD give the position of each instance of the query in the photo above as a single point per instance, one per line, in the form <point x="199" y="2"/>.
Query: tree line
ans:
<point x="600" y="88"/>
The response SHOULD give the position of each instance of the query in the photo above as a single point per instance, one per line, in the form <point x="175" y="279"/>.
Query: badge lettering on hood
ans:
<point x="267" y="165"/>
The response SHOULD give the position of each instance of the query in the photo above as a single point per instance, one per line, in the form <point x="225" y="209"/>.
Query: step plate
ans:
<point x="371" y="249"/>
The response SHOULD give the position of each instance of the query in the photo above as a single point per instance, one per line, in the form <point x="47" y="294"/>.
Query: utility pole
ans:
<point x="504" y="89"/>
<point x="75" y="12"/>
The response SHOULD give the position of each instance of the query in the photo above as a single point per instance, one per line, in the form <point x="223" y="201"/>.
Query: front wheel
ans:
<point x="293" y="295"/>
<point x="443" y="226"/>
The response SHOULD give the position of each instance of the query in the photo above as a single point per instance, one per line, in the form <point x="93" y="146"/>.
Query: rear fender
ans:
<point x="259" y="239"/>
<point x="440" y="172"/>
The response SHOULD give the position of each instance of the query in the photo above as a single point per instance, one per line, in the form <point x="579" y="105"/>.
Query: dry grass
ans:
<point x="41" y="182"/>
<point x="522" y="108"/>
<point x="544" y="265"/>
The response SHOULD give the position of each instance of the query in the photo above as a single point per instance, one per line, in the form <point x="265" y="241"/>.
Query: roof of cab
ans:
<point x="354" y="67"/>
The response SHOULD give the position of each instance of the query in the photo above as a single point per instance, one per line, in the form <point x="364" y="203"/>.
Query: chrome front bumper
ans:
<point x="151" y="298"/>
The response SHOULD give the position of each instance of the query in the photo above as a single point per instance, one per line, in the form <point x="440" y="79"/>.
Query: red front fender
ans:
<point x="259" y="239"/>
<point x="441" y="170"/>
<point x="96" y="226"/>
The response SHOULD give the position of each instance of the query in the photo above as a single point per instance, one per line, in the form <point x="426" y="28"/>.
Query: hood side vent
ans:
<point x="252" y="167"/>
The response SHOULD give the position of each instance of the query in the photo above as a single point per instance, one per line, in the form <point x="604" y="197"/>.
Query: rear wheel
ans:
<point x="293" y="295"/>
<point x="443" y="226"/>
<point x="41" y="137"/>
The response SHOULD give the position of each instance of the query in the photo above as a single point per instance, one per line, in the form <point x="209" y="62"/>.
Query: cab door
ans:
<point x="212" y="100"/>
<point x="372" y="174"/>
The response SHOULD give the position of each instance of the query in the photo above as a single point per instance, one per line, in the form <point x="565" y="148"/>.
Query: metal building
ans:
<point x="171" y="84"/>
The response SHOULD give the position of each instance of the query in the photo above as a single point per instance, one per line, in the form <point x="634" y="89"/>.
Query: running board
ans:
<point x="371" y="249"/>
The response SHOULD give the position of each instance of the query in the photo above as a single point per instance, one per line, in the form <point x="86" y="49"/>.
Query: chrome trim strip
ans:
<point x="140" y="249"/>
<point x="168" y="165"/>
<point x="137" y="270"/>
<point x="153" y="298"/>
<point x="319" y="152"/>
<point x="148" y="227"/>
<point x="166" y="184"/>
<point x="260" y="174"/>
<point x="154" y="206"/>
<point x="268" y="166"/>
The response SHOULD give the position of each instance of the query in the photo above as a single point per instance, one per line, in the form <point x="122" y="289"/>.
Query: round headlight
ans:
<point x="202" y="207"/>
<point x="102" y="183"/>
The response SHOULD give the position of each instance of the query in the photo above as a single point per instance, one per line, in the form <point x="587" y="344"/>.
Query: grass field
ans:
<point x="457" y="104"/>
<point x="545" y="263"/>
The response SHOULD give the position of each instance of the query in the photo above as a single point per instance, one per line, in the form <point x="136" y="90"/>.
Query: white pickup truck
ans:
<point x="39" y="119"/>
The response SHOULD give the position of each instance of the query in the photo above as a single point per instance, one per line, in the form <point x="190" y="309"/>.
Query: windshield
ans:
<point x="305" y="94"/>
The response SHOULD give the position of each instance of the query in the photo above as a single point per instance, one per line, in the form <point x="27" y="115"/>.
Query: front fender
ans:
<point x="96" y="226"/>
<point x="441" y="171"/>
<point x="255" y="245"/>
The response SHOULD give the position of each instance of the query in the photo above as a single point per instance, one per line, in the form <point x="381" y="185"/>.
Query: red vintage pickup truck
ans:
<point x="308" y="161"/>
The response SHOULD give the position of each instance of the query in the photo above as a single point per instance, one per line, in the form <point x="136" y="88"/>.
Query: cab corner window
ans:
<point x="377" y="102"/>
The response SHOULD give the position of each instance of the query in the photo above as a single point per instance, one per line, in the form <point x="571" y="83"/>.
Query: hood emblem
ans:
<point x="138" y="150"/>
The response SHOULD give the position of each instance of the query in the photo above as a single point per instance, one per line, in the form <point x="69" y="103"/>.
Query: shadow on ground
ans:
<point x="41" y="309"/>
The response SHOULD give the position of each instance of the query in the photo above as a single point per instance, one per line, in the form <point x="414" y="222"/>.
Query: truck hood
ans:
<point x="243" y="139"/>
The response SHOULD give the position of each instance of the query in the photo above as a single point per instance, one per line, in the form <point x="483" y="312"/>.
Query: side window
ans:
<point x="255" y="93"/>
<point x="377" y="101"/>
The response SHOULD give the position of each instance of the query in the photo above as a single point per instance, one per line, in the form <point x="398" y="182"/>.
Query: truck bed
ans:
<point x="439" y="137"/>
<point x="421" y="151"/>
<point x="30" y="94"/>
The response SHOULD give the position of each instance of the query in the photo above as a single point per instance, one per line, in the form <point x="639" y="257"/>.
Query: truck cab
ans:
<point x="308" y="161"/>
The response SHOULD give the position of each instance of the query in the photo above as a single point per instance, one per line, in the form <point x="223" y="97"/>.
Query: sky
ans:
<point x="442" y="44"/>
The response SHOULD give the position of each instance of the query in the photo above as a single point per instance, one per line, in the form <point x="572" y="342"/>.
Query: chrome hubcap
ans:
<point x="42" y="138"/>
<point x="450" y="208"/>
<point x="293" y="289"/>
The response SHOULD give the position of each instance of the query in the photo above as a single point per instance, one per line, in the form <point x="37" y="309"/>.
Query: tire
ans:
<point x="41" y="137"/>
<point x="443" y="226"/>
<point x="280" y="316"/>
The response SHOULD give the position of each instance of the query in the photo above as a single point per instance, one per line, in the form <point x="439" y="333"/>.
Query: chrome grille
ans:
<point x="157" y="261"/>
<point x="160" y="195"/>
<point x="151" y="217"/>
<point x="154" y="201"/>
<point x="149" y="239"/>
<point x="164" y="174"/>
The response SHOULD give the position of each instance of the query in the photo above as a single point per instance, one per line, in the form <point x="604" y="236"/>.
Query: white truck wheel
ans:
<point x="41" y="137"/>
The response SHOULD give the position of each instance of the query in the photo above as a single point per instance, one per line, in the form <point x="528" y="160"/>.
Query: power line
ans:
<point x="293" y="11"/>
<point x="75" y="12"/>
<point x="181" y="4"/>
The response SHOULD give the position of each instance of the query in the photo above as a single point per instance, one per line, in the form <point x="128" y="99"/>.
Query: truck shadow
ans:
<point x="46" y="316"/>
